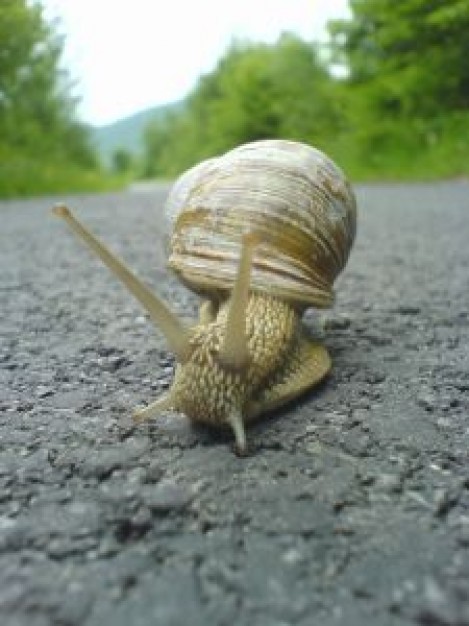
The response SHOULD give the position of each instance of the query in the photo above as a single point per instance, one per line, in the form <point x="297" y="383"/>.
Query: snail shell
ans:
<point x="262" y="232"/>
<point x="290" y="194"/>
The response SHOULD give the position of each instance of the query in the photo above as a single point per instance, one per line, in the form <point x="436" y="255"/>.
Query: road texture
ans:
<point x="353" y="507"/>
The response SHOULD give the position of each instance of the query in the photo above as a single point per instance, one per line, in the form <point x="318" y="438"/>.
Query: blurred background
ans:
<point x="97" y="94"/>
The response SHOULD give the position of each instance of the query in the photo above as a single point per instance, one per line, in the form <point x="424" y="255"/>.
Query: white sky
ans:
<point x="128" y="55"/>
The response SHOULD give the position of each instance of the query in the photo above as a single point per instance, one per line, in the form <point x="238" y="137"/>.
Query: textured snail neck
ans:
<point x="271" y="326"/>
<point x="208" y="391"/>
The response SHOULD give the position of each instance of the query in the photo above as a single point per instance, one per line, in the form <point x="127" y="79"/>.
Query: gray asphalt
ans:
<point x="353" y="507"/>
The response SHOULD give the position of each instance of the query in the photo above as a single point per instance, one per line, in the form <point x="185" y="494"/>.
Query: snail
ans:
<point x="260" y="233"/>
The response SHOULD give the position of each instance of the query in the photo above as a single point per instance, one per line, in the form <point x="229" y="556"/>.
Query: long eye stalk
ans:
<point x="177" y="335"/>
<point x="234" y="352"/>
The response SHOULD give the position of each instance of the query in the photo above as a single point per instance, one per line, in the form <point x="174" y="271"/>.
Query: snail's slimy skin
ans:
<point x="282" y="363"/>
<point x="261" y="232"/>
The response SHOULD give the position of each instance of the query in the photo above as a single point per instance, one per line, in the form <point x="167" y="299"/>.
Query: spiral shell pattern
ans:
<point x="290" y="194"/>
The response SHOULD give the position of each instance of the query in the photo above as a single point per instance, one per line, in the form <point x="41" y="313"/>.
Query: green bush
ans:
<point x="43" y="148"/>
<point x="402" y="112"/>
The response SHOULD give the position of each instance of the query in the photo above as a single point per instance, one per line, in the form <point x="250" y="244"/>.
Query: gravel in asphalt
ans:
<point x="353" y="507"/>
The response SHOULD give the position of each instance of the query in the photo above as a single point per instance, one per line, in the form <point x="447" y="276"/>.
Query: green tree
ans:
<point x="402" y="111"/>
<point x="256" y="91"/>
<point x="38" y="125"/>
<point x="407" y="90"/>
<point x="413" y="55"/>
<point x="122" y="161"/>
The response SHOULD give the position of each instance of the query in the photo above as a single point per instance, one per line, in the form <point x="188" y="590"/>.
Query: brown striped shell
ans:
<point x="291" y="194"/>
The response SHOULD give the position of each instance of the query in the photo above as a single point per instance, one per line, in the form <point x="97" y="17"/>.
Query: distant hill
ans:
<point x="126" y="133"/>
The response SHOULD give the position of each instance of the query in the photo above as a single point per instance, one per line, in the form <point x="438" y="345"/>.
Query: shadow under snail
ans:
<point x="260" y="233"/>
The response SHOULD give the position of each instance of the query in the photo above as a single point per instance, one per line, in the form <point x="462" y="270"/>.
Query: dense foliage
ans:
<point x="414" y="54"/>
<point x="42" y="145"/>
<point x="399" y="110"/>
<point x="408" y="87"/>
<point x="402" y="110"/>
<point x="256" y="91"/>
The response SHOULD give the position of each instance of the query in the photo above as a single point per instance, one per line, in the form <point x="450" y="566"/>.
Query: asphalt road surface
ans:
<point x="353" y="506"/>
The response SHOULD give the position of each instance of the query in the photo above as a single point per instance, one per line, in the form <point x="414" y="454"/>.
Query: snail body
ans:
<point x="260" y="233"/>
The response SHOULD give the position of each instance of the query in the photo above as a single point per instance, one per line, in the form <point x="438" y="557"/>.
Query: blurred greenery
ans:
<point x="407" y="89"/>
<point x="401" y="112"/>
<point x="256" y="91"/>
<point x="387" y="98"/>
<point x="43" y="148"/>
